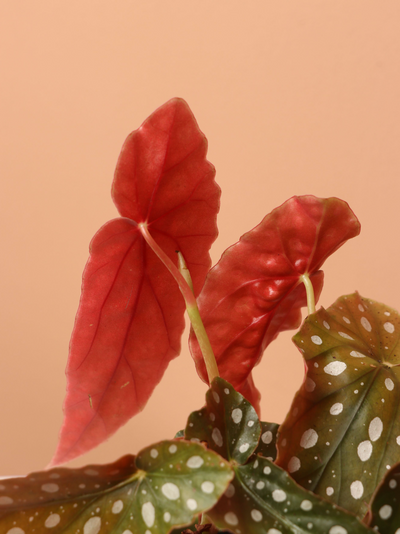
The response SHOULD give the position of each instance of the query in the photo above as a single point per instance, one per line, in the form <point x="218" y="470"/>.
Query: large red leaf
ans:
<point x="131" y="314"/>
<point x="255" y="292"/>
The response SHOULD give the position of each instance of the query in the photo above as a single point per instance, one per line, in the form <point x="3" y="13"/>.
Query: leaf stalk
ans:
<point x="310" y="293"/>
<point x="184" y="281"/>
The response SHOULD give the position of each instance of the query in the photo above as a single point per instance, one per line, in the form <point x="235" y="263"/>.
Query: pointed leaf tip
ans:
<point x="131" y="313"/>
<point x="254" y="292"/>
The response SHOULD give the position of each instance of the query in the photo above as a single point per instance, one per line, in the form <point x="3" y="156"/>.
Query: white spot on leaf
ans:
<point x="117" y="507"/>
<point x="389" y="384"/>
<point x="345" y="336"/>
<point x="4" y="499"/>
<point x="230" y="491"/>
<point x="237" y="415"/>
<point x="364" y="450"/>
<point x="91" y="472"/>
<point x="154" y="453"/>
<point x="256" y="515"/>
<point x="148" y="514"/>
<point x="167" y="517"/>
<point x="385" y="511"/>
<point x="195" y="462"/>
<point x="171" y="491"/>
<point x="389" y="327"/>
<point x="267" y="437"/>
<point x="316" y="340"/>
<point x="308" y="439"/>
<point x="52" y="521"/>
<point x="357" y="354"/>
<point x="50" y="487"/>
<point x="279" y="495"/>
<point x="216" y="396"/>
<point x="294" y="464"/>
<point x="92" y="525"/>
<point x="336" y="408"/>
<point x="329" y="491"/>
<point x="306" y="505"/>
<point x="366" y="324"/>
<point x="356" y="489"/>
<point x="309" y="385"/>
<point x="231" y="519"/>
<point x="244" y="448"/>
<point x="207" y="487"/>
<point x="191" y="504"/>
<point x="375" y="429"/>
<point x="217" y="437"/>
<point x="335" y="368"/>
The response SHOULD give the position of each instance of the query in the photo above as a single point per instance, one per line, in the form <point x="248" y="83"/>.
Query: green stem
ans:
<point x="184" y="281"/>
<point x="310" y="293"/>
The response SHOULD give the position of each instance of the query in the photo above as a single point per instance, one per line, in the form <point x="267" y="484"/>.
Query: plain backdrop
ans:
<point x="295" y="97"/>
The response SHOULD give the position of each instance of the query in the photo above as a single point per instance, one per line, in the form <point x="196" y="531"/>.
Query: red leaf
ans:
<point x="254" y="292"/>
<point x="130" y="318"/>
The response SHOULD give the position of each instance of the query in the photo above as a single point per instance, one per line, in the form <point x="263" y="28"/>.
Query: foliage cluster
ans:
<point x="331" y="467"/>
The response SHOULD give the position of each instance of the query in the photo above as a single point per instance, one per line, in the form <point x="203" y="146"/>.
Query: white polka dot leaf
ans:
<point x="384" y="513"/>
<point x="342" y="432"/>
<point x="262" y="498"/>
<point x="168" y="484"/>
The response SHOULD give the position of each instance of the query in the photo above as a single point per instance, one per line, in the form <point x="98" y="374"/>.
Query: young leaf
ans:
<point x="262" y="498"/>
<point x="343" y="430"/>
<point x="384" y="514"/>
<point x="131" y="314"/>
<point x="255" y="292"/>
<point x="168" y="484"/>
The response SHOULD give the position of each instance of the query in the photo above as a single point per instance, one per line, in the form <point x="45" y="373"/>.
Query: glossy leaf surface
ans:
<point x="385" y="507"/>
<point x="254" y="292"/>
<point x="262" y="498"/>
<point x="342" y="433"/>
<point x="131" y="314"/>
<point x="168" y="484"/>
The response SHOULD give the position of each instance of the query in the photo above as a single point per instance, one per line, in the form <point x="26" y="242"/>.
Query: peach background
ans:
<point x="295" y="97"/>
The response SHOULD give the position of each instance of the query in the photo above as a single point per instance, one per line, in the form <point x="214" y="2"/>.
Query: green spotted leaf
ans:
<point x="228" y="423"/>
<point x="167" y="485"/>
<point x="342" y="432"/>
<point x="384" y="512"/>
<point x="262" y="498"/>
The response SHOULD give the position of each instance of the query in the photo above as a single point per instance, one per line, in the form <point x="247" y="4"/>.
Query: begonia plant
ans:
<point x="333" y="465"/>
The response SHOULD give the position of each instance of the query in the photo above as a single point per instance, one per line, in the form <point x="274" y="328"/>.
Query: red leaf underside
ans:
<point x="131" y="314"/>
<point x="254" y="292"/>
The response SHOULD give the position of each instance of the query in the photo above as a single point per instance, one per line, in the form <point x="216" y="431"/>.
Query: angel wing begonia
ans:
<point x="131" y="314"/>
<point x="255" y="292"/>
